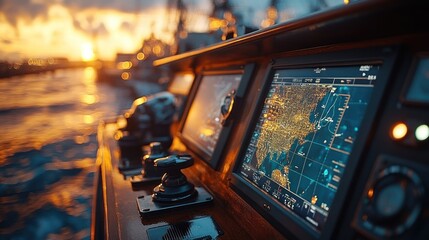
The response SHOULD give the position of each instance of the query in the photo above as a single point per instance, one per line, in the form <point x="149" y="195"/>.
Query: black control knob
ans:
<point x="148" y="161"/>
<point x="394" y="201"/>
<point x="391" y="200"/>
<point x="174" y="186"/>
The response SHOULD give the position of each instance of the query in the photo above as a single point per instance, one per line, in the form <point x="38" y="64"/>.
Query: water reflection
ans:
<point x="49" y="147"/>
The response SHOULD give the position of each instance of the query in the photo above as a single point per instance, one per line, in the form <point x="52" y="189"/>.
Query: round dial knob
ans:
<point x="394" y="201"/>
<point x="391" y="200"/>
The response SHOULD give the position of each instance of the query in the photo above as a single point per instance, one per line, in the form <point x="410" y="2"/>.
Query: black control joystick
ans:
<point x="148" y="161"/>
<point x="148" y="120"/>
<point x="174" y="186"/>
<point x="175" y="191"/>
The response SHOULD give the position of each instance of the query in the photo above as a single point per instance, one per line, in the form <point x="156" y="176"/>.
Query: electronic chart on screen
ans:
<point x="304" y="134"/>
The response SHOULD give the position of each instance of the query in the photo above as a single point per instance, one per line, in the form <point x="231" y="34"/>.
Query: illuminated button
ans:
<point x="399" y="131"/>
<point x="422" y="132"/>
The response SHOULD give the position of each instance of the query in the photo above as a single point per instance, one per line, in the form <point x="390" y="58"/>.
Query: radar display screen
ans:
<point x="300" y="144"/>
<point x="203" y="126"/>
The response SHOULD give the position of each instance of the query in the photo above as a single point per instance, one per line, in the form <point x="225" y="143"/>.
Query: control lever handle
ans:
<point x="174" y="186"/>
<point x="174" y="162"/>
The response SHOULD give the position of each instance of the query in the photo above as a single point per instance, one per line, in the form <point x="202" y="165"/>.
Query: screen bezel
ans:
<point x="181" y="97"/>
<point x="213" y="160"/>
<point x="174" y="81"/>
<point x="287" y="222"/>
<point x="410" y="80"/>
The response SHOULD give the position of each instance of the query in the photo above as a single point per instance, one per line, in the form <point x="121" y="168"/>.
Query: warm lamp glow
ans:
<point x="207" y="132"/>
<point x="139" y="101"/>
<point x="140" y="56"/>
<point x="121" y="122"/>
<point x="370" y="193"/>
<point x="215" y="24"/>
<point x="124" y="65"/>
<point x="118" y="135"/>
<point x="87" y="53"/>
<point x="399" y="131"/>
<point x="125" y="76"/>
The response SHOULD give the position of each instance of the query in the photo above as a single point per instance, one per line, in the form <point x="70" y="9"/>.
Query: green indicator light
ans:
<point x="422" y="132"/>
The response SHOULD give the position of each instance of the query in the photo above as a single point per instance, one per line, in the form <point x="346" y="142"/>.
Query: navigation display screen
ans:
<point x="203" y="126"/>
<point x="304" y="134"/>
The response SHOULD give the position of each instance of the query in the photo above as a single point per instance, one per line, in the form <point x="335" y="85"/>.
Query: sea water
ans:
<point x="48" y="147"/>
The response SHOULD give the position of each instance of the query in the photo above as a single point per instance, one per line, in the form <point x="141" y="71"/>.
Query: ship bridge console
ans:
<point x="316" y="128"/>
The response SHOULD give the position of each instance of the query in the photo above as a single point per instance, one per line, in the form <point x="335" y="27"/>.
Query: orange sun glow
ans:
<point x="87" y="53"/>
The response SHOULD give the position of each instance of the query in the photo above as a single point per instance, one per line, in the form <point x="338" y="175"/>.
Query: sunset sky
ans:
<point x="68" y="28"/>
<point x="79" y="29"/>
